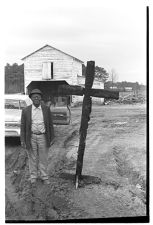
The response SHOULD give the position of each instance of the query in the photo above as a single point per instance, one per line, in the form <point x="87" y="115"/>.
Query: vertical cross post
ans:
<point x="86" y="110"/>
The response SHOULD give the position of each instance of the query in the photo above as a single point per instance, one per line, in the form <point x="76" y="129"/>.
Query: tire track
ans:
<point x="92" y="154"/>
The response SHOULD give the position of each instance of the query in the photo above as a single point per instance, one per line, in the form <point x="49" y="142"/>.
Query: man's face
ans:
<point x="36" y="99"/>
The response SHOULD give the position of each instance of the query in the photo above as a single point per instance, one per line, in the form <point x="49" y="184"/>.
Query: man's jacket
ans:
<point x="26" y="125"/>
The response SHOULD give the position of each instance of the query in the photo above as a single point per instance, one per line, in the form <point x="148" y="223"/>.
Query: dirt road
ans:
<point x="114" y="170"/>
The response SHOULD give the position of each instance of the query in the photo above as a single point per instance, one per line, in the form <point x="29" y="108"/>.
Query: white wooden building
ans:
<point x="51" y="63"/>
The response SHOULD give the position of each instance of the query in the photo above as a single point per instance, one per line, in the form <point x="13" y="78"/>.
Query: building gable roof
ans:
<point x="53" y="48"/>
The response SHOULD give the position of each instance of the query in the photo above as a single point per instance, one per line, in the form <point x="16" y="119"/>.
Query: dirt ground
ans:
<point x="113" y="184"/>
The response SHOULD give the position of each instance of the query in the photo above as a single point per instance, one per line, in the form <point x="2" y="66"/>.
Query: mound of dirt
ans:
<point x="128" y="99"/>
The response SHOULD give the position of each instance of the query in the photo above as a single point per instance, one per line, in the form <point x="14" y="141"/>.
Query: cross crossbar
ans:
<point x="78" y="90"/>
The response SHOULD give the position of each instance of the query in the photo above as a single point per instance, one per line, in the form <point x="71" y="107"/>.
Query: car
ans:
<point x="14" y="103"/>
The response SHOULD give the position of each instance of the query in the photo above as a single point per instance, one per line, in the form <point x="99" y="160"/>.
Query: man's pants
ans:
<point x="38" y="157"/>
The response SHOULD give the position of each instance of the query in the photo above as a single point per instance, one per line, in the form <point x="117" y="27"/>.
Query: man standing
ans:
<point x="37" y="134"/>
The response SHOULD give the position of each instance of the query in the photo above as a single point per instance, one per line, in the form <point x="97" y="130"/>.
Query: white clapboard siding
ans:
<point x="77" y="71"/>
<point x="63" y="66"/>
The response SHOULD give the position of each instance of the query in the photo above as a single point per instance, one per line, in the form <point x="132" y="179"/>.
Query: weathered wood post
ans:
<point x="86" y="110"/>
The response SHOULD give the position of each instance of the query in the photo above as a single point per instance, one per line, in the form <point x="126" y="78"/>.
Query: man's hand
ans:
<point x="23" y="145"/>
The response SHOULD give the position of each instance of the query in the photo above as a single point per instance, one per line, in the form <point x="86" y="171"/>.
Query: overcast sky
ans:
<point x="110" y="32"/>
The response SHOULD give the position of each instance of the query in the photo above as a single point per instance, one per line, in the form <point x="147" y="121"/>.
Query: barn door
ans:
<point x="47" y="71"/>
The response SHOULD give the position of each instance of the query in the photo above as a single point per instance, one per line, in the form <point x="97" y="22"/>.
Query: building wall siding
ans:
<point x="64" y="67"/>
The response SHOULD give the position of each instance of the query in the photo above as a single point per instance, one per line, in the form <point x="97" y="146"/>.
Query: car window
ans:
<point x="60" y="101"/>
<point x="14" y="104"/>
<point x="11" y="104"/>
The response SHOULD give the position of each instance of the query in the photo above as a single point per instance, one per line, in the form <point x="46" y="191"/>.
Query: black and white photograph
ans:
<point x="76" y="111"/>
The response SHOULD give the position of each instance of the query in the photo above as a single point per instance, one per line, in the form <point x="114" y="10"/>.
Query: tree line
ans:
<point x="110" y="80"/>
<point x="14" y="78"/>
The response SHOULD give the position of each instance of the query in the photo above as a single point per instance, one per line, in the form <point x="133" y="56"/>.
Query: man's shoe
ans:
<point x="46" y="182"/>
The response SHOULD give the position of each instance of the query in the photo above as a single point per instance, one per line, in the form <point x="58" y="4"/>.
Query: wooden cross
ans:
<point x="86" y="110"/>
<point x="88" y="91"/>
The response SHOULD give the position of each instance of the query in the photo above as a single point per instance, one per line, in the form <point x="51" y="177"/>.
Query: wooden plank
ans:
<point x="70" y="90"/>
<point x="86" y="110"/>
<point x="101" y="93"/>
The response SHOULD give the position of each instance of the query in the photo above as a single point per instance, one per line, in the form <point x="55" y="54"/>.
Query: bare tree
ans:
<point x="113" y="77"/>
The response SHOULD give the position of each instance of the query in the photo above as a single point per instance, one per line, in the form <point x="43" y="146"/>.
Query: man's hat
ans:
<point x="35" y="91"/>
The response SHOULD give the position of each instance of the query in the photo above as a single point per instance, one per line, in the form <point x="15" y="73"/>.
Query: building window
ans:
<point x="47" y="71"/>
